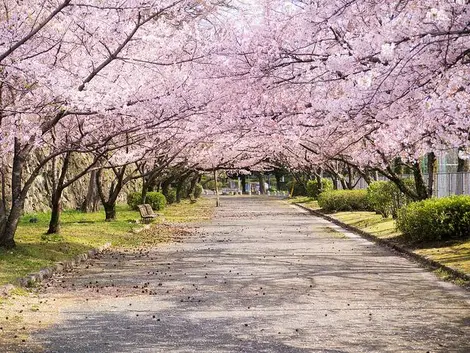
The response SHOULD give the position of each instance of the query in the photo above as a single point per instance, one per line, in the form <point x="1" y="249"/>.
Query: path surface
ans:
<point x="264" y="276"/>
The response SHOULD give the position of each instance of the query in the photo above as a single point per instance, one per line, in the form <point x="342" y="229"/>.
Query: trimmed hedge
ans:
<point x="385" y="198"/>
<point x="436" y="219"/>
<point x="343" y="200"/>
<point x="314" y="190"/>
<point x="155" y="199"/>
<point x="134" y="199"/>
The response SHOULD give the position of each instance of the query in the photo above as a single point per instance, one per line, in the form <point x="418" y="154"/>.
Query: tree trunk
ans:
<point x="91" y="202"/>
<point x="421" y="189"/>
<point x="179" y="189"/>
<point x="243" y="179"/>
<point x="110" y="211"/>
<point x="145" y="188"/>
<point x="54" y="225"/>
<point x="262" y="188"/>
<point x="166" y="185"/>
<point x="431" y="167"/>
<point x="217" y="199"/>
<point x="18" y="198"/>
<point x="7" y="239"/>
<point x="193" y="184"/>
<point x="109" y="203"/>
<point x="462" y="166"/>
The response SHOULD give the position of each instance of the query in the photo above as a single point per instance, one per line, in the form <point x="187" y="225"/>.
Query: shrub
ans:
<point x="171" y="196"/>
<point x="157" y="200"/>
<point x="134" y="199"/>
<point x="385" y="198"/>
<point x="198" y="190"/>
<point x="436" y="219"/>
<point x="343" y="200"/>
<point x="313" y="189"/>
<point x="296" y="189"/>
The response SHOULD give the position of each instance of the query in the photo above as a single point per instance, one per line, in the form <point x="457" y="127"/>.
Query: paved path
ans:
<point x="264" y="276"/>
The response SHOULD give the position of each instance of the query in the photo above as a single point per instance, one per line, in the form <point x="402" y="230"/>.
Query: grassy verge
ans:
<point x="305" y="201"/>
<point x="452" y="254"/>
<point x="81" y="232"/>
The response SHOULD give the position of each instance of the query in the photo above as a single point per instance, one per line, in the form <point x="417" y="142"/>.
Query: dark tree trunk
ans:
<point x="278" y="181"/>
<point x="57" y="189"/>
<point x="8" y="236"/>
<point x="18" y="196"/>
<point x="192" y="185"/>
<point x="421" y="189"/>
<point x="145" y="188"/>
<point x="109" y="202"/>
<point x="462" y="166"/>
<point x="179" y="188"/>
<point x="91" y="202"/>
<point x="334" y="179"/>
<point x="3" y="202"/>
<point x="54" y="223"/>
<point x="110" y="211"/>
<point x="431" y="167"/>
<point x="262" y="188"/>
<point x="243" y="177"/>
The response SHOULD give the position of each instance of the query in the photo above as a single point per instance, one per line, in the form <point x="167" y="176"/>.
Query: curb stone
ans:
<point x="47" y="272"/>
<point x="424" y="261"/>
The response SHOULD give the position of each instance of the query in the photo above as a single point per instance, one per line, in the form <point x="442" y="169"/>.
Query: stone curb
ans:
<point x="57" y="268"/>
<point x="424" y="261"/>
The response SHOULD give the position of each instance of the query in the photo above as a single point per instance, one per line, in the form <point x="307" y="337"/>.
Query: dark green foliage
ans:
<point x="157" y="200"/>
<point x="385" y="198"/>
<point x="314" y="189"/>
<point x="198" y="190"/>
<point x="436" y="219"/>
<point x="343" y="200"/>
<point x="134" y="199"/>
<point x="171" y="196"/>
<point x="298" y="188"/>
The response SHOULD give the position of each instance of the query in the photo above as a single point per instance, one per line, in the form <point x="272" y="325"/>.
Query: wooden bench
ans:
<point x="192" y="198"/>
<point x="146" y="213"/>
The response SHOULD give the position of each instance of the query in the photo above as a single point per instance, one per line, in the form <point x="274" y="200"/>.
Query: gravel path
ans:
<point x="264" y="276"/>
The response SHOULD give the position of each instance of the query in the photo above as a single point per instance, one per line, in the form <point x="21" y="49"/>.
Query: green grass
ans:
<point x="81" y="232"/>
<point x="369" y="222"/>
<point x="305" y="201"/>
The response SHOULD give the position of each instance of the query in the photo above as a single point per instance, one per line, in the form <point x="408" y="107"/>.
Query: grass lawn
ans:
<point x="81" y="232"/>
<point x="305" y="201"/>
<point x="452" y="254"/>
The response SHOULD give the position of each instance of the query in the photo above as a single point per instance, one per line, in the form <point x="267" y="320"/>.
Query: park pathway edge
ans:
<point x="47" y="272"/>
<point x="452" y="273"/>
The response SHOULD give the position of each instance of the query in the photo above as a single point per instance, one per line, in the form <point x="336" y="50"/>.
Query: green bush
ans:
<point x="198" y="190"/>
<point x="385" y="198"/>
<point x="296" y="189"/>
<point x="313" y="189"/>
<point x="436" y="219"/>
<point x="134" y="199"/>
<point x="157" y="200"/>
<point x="343" y="200"/>
<point x="171" y="196"/>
